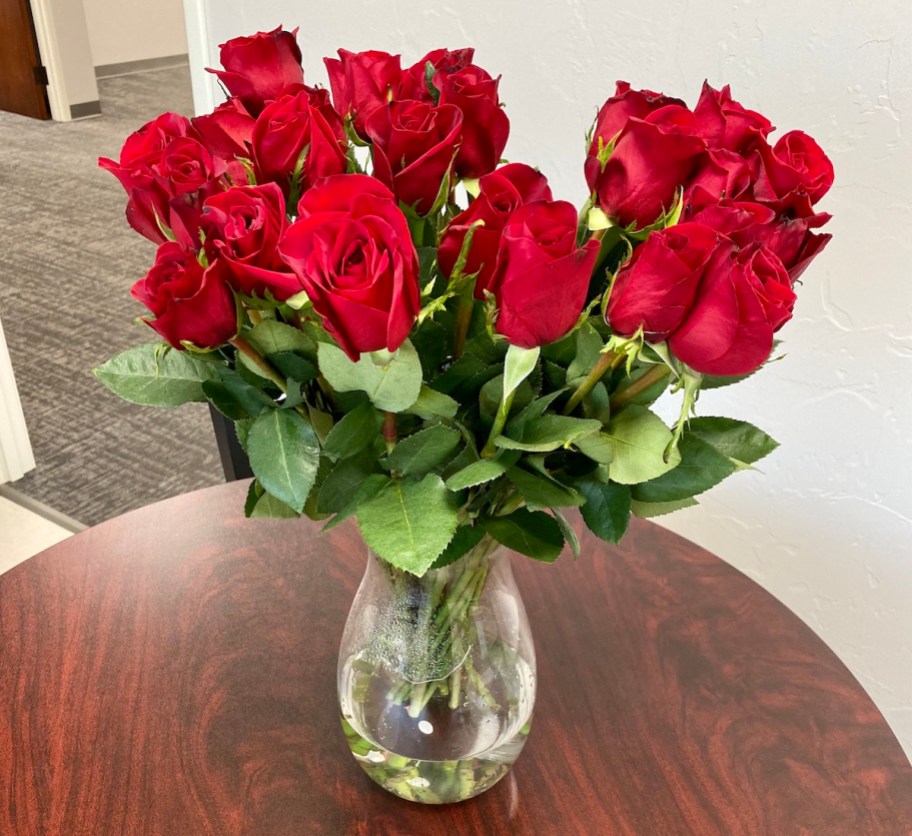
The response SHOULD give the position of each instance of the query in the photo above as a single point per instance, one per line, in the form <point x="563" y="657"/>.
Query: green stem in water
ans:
<point x="624" y="396"/>
<point x="608" y="360"/>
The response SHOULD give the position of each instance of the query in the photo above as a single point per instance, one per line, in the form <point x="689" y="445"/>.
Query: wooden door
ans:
<point x="23" y="85"/>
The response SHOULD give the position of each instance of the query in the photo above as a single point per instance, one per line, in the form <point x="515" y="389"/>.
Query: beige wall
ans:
<point x="121" y="31"/>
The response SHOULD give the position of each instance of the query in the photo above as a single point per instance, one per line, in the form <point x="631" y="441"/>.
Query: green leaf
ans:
<point x="262" y="505"/>
<point x="549" y="433"/>
<point x="423" y="451"/>
<point x="477" y="473"/>
<point x="701" y="467"/>
<point x="392" y="381"/>
<point x="588" y="349"/>
<point x="432" y="404"/>
<point x="235" y="398"/>
<point x="465" y="539"/>
<point x="598" y="447"/>
<point x="292" y="365"/>
<point x="640" y="438"/>
<point x="568" y="532"/>
<point x="368" y="489"/>
<point x="272" y="337"/>
<point x="409" y="523"/>
<point x="342" y="483"/>
<point x="532" y="533"/>
<point x="354" y="432"/>
<point x="157" y="375"/>
<point x="541" y="493"/>
<point x="740" y="441"/>
<point x="284" y="454"/>
<point x="518" y="365"/>
<point x="647" y="510"/>
<point x="607" y="508"/>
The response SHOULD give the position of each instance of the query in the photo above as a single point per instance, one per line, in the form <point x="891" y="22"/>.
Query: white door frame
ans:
<point x="46" y="35"/>
<point x="16" y="456"/>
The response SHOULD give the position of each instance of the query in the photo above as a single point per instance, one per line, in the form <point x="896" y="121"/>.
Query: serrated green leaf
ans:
<point x="532" y="533"/>
<point x="353" y="432"/>
<point x="467" y="537"/>
<point x="271" y="337"/>
<point x="294" y="366"/>
<point x="588" y="345"/>
<point x="391" y="381"/>
<point x="647" y="510"/>
<point x="235" y="398"/>
<point x="284" y="454"/>
<point x="567" y="530"/>
<point x="607" y="509"/>
<point x="740" y="441"/>
<point x="369" y="488"/>
<point x="432" y="404"/>
<point x="640" y="438"/>
<point x="409" y="523"/>
<point x="342" y="483"/>
<point x="549" y="432"/>
<point x="268" y="507"/>
<point x="701" y="467"/>
<point x="541" y="493"/>
<point x="597" y="446"/>
<point x="477" y="473"/>
<point x="157" y="375"/>
<point x="423" y="451"/>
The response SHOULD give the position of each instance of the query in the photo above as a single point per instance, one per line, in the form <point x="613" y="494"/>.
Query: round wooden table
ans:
<point x="172" y="671"/>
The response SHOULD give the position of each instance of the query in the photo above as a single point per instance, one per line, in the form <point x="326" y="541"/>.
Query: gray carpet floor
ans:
<point x="67" y="261"/>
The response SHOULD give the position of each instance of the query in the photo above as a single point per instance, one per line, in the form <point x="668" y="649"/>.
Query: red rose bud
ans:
<point x="413" y="84"/>
<point x="485" y="126"/>
<point x="258" y="68"/>
<point x="719" y="175"/>
<point x="742" y="301"/>
<point x="652" y="158"/>
<point x="500" y="194"/>
<point x="361" y="82"/>
<point x="351" y="251"/>
<point x="724" y="123"/>
<point x="625" y="104"/>
<point x="656" y="289"/>
<point x="792" y="175"/>
<point x="288" y="126"/>
<point x="542" y="275"/>
<point x="414" y="145"/>
<point x="190" y="304"/>
<point x="243" y="226"/>
<point x="227" y="131"/>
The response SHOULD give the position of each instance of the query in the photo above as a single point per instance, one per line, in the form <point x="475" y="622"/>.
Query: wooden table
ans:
<point x="172" y="671"/>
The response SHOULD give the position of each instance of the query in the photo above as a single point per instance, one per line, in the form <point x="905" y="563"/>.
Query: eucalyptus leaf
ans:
<point x="640" y="438"/>
<point x="532" y="533"/>
<point x="701" y="467"/>
<point x="423" y="451"/>
<point x="391" y="381"/>
<point x="155" y="374"/>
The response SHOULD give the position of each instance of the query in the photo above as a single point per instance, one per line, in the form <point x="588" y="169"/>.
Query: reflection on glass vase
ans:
<point x="437" y="676"/>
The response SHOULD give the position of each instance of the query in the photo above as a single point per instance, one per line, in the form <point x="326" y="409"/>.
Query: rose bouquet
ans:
<point x="409" y="332"/>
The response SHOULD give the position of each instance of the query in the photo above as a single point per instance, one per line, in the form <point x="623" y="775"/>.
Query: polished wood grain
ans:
<point x="173" y="672"/>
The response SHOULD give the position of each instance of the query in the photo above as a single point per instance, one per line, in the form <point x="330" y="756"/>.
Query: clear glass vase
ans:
<point x="437" y="676"/>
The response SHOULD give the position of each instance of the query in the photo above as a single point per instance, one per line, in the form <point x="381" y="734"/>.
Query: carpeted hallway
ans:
<point x="67" y="261"/>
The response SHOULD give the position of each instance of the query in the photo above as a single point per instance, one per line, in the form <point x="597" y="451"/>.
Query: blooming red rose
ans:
<point x="352" y="252"/>
<point x="652" y="158"/>
<point x="501" y="193"/>
<point x="258" y="68"/>
<point x="656" y="289"/>
<point x="719" y="175"/>
<point x="542" y="275"/>
<point x="293" y="124"/>
<point x="485" y="126"/>
<point x="724" y="123"/>
<point x="741" y="302"/>
<point x="792" y="175"/>
<point x="361" y="82"/>
<point x="227" y="131"/>
<point x="191" y="304"/>
<point x="413" y="83"/>
<point x="414" y="145"/>
<point x="243" y="226"/>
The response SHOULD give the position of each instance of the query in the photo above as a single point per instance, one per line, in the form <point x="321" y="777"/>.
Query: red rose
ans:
<point x="792" y="175"/>
<point x="227" y="131"/>
<point x="191" y="304"/>
<point x="414" y="144"/>
<point x="542" y="275"/>
<point x="413" y="83"/>
<point x="352" y="252"/>
<point x="361" y="82"/>
<point x="302" y="121"/>
<point x="243" y="226"/>
<point x="500" y="194"/>
<point x="613" y="116"/>
<point x="258" y="68"/>
<point x="724" y="123"/>
<point x="485" y="126"/>
<point x="719" y="175"/>
<point x="652" y="158"/>
<point x="741" y="302"/>
<point x="657" y="287"/>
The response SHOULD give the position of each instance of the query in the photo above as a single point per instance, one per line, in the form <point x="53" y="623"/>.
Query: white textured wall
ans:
<point x="827" y="527"/>
<point x="121" y="31"/>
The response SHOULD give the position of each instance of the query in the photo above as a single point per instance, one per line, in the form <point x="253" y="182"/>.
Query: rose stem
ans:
<point x="623" y="396"/>
<point x="608" y="360"/>
<point x="499" y="421"/>
<point x="390" y="434"/>
<point x="463" y="320"/>
<point x="261" y="362"/>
